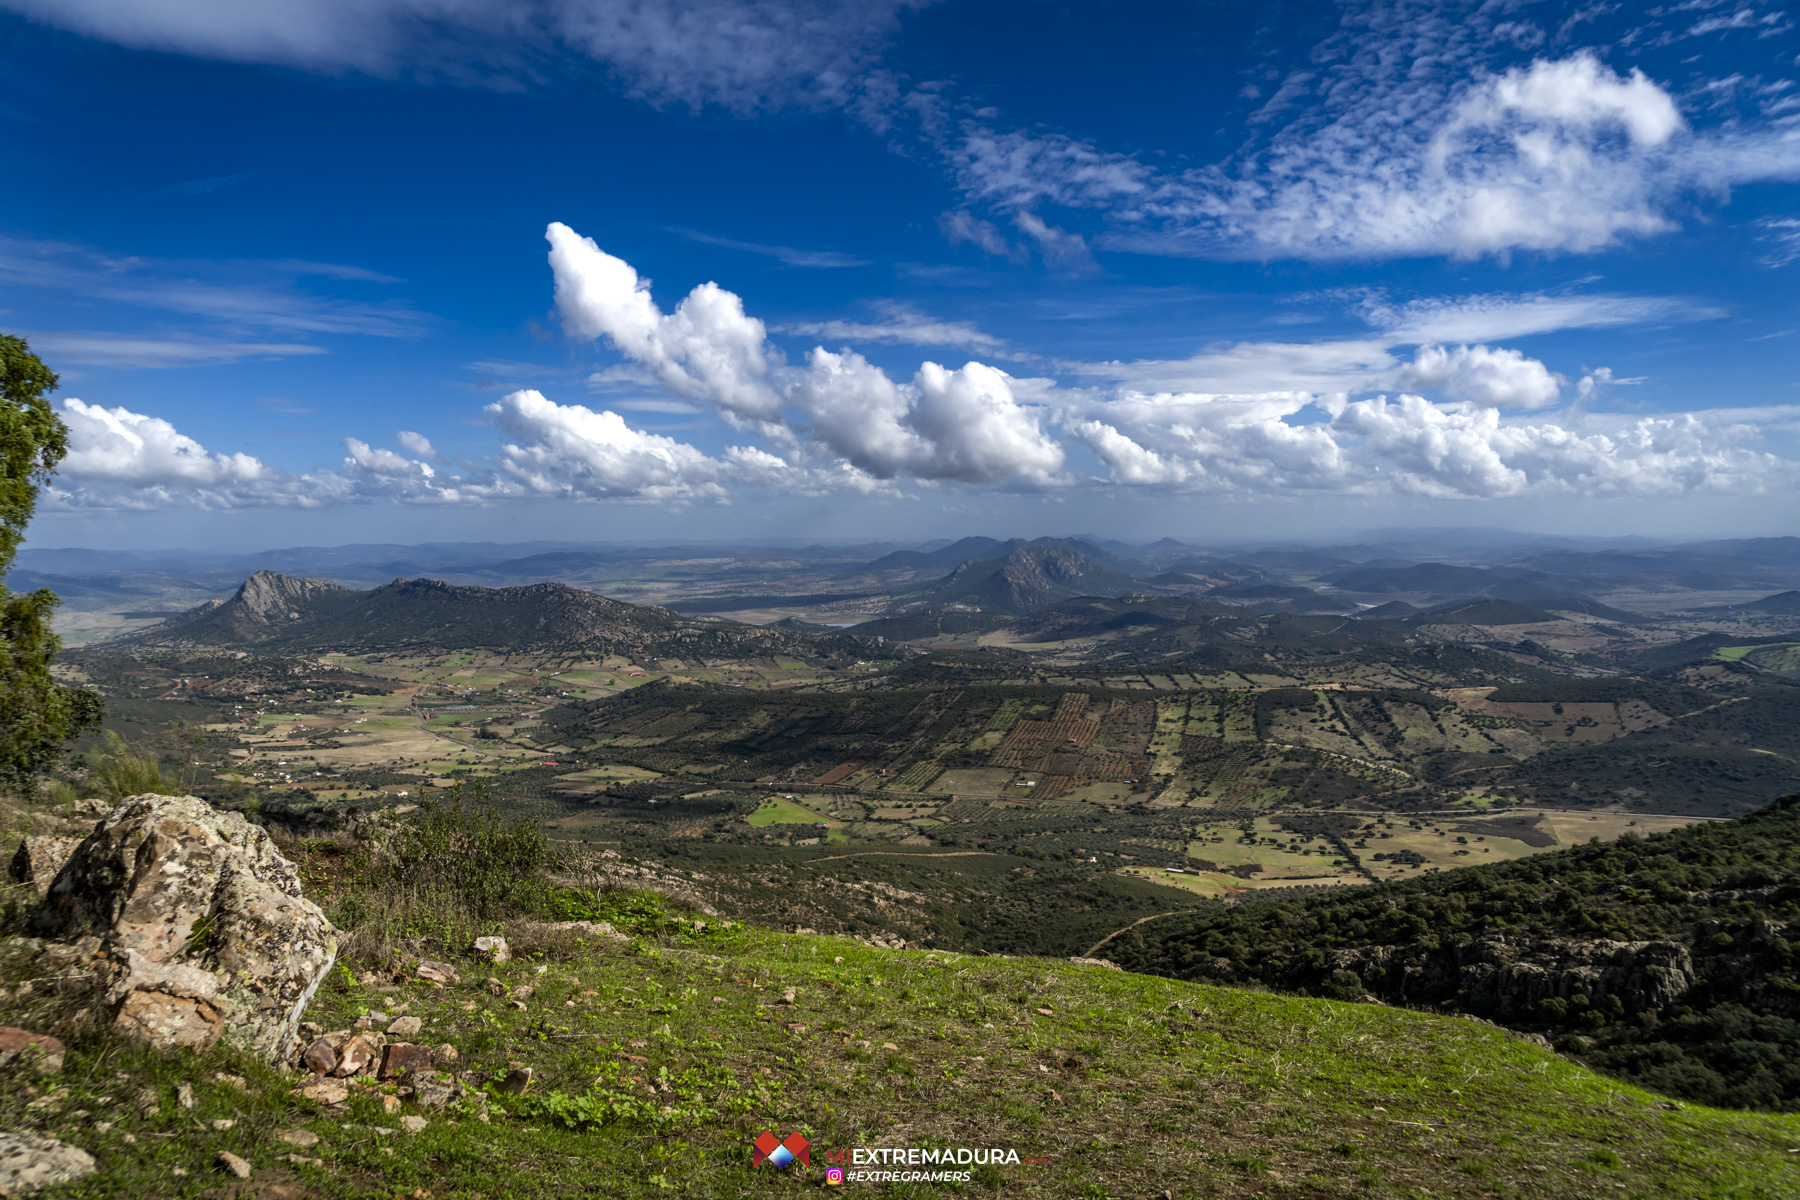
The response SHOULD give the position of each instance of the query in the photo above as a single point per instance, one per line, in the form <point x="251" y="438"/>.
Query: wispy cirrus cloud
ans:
<point x="741" y="55"/>
<point x="901" y="324"/>
<point x="133" y="350"/>
<point x="1415" y="130"/>
<point x="789" y="256"/>
<point x="231" y="302"/>
<point x="199" y="187"/>
<point x="1490" y="317"/>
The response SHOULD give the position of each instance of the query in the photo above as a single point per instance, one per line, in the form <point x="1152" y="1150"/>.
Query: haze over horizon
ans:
<point x="791" y="269"/>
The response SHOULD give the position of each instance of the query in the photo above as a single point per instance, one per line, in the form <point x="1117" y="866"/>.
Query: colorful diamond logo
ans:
<point x="780" y="1152"/>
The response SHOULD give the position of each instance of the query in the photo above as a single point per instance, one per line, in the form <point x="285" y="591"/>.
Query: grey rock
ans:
<point x="205" y="931"/>
<point x="435" y="1089"/>
<point x="38" y="860"/>
<point x="493" y="949"/>
<point x="30" y="1162"/>
<point x="405" y="1027"/>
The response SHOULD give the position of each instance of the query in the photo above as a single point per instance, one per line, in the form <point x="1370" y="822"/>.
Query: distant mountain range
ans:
<point x="1004" y="576"/>
<point x="280" y="612"/>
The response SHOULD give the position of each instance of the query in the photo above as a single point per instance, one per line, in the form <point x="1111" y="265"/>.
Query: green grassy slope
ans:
<point x="658" y="1061"/>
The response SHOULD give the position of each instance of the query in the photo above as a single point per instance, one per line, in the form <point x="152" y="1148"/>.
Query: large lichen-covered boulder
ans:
<point x="195" y="925"/>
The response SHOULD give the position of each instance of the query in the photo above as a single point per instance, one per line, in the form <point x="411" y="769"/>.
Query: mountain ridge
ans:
<point x="276" y="611"/>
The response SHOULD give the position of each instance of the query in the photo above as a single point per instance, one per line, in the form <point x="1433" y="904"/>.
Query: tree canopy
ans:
<point x="38" y="715"/>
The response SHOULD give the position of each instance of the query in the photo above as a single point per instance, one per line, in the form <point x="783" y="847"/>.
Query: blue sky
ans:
<point x="444" y="269"/>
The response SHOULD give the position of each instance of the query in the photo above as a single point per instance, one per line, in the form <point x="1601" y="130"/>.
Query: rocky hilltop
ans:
<point x="282" y="613"/>
<point x="1031" y="578"/>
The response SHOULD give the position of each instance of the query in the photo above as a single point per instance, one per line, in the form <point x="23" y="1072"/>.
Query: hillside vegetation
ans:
<point x="1668" y="959"/>
<point x="658" y="1055"/>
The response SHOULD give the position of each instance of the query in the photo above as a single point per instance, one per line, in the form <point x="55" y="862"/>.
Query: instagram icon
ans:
<point x="834" y="1175"/>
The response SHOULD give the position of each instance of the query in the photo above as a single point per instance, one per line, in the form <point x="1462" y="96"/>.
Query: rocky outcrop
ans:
<point x="194" y="925"/>
<point x="1513" y="980"/>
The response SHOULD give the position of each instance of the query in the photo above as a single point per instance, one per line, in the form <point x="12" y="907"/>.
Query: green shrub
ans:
<point x="119" y="773"/>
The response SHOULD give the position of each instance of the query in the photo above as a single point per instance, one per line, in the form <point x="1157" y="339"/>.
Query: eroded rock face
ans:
<point x="204" y="931"/>
<point x="1511" y="979"/>
<point x="38" y="860"/>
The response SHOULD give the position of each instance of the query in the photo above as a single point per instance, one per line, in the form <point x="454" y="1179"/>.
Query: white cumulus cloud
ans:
<point x="571" y="450"/>
<point x="965" y="425"/>
<point x="1480" y="375"/>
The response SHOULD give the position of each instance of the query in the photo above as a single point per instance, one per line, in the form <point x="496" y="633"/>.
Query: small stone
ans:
<point x="401" y="1057"/>
<point x="236" y="1081"/>
<point x="303" y="1138"/>
<point x="38" y="1053"/>
<point x="358" y="1055"/>
<point x="31" y="1161"/>
<point x="300" y="1160"/>
<point x="184" y="1095"/>
<point x="413" y="1123"/>
<point x="518" y="1004"/>
<point x="445" y="1053"/>
<point x="495" y="986"/>
<point x="103" y="1126"/>
<point x="516" y="1083"/>
<point x="1046" y="1012"/>
<point x="493" y="949"/>
<point x="234" y="1164"/>
<point x="436" y="1089"/>
<point x="405" y="1027"/>
<point x="321" y="1089"/>
<point x="523" y="992"/>
<point x="182" y="1171"/>
<point x="311" y="1028"/>
<point x="889" y="1046"/>
<point x="368" y="979"/>
<point x="441" y="974"/>
<point x="320" y="1058"/>
<point x="787" y="995"/>
<point x="390" y="1104"/>
<point x="149" y="1101"/>
<point x="221" y="1124"/>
